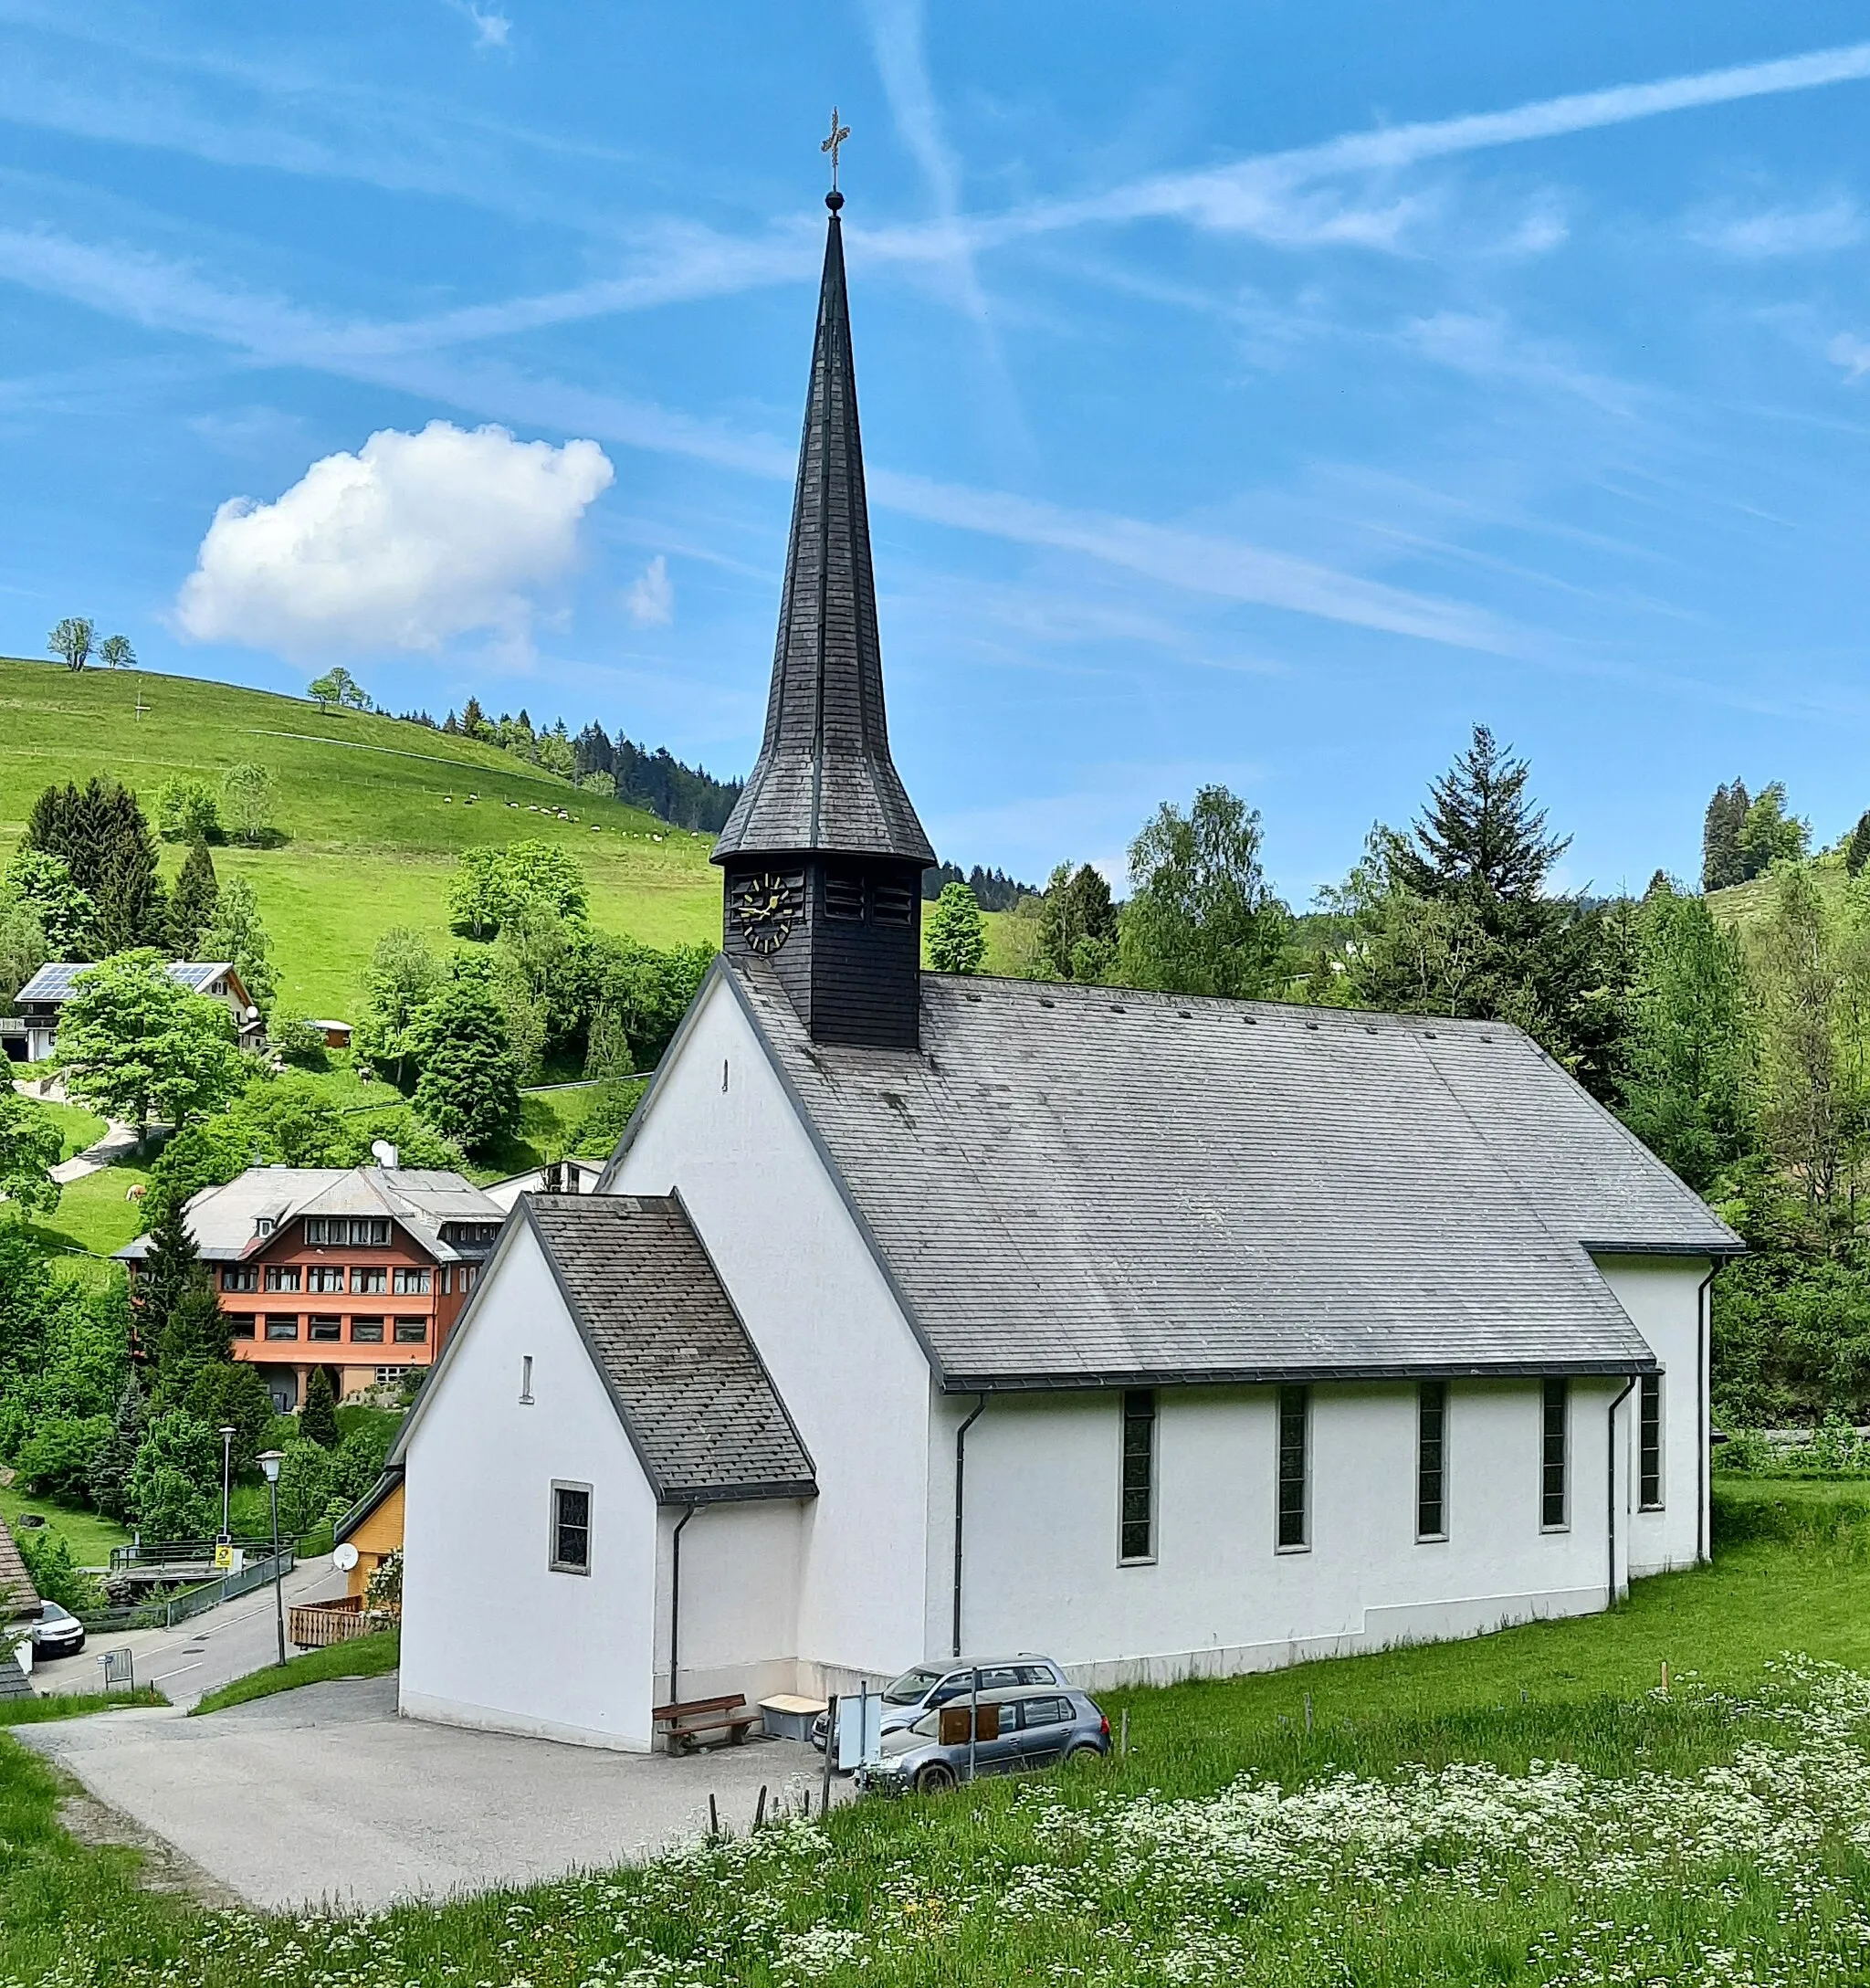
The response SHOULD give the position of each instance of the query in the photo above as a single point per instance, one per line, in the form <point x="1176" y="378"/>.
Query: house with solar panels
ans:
<point x="919" y="1316"/>
<point x="32" y="1035"/>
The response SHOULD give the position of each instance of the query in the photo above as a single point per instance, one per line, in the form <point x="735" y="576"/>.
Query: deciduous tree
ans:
<point x="30" y="1146"/>
<point x="115" y="652"/>
<point x="135" y="1045"/>
<point x="1688" y="1075"/>
<point x="71" y="641"/>
<point x="1201" y="919"/>
<point x="402" y="975"/>
<point x="238" y="933"/>
<point x="248" y="790"/>
<point x="469" y="1083"/>
<point x="955" y="931"/>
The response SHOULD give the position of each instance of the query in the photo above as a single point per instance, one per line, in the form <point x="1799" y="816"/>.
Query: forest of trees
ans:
<point x="684" y="796"/>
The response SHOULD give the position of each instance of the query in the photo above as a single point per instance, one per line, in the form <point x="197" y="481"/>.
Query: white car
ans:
<point x="56" y="1632"/>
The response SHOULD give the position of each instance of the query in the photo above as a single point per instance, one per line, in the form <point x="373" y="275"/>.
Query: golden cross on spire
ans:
<point x="839" y="132"/>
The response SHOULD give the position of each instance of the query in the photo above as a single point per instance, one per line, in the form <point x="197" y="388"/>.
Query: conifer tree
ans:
<point x="1480" y="836"/>
<point x="110" y="1480"/>
<point x="100" y="834"/>
<point x="1721" y="864"/>
<point x="1857" y="849"/>
<point x="167" y="1270"/>
<point x="195" y="1338"/>
<point x="191" y="906"/>
<point x="318" y="1420"/>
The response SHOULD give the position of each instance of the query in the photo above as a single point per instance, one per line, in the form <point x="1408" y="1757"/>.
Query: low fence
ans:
<point x="316" y="1625"/>
<point x="177" y="1553"/>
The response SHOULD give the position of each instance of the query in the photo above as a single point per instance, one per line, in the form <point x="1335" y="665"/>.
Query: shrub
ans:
<point x="306" y="1477"/>
<point x="55" y="1574"/>
<point x="298" y="1041"/>
<point x="60" y="1455"/>
<point x="174" y="1485"/>
<point x="186" y="811"/>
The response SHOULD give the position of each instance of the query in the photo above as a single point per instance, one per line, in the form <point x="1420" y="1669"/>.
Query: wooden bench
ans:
<point x="693" y="1719"/>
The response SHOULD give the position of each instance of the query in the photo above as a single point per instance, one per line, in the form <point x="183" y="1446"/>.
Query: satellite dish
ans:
<point x="383" y="1152"/>
<point x="344" y="1558"/>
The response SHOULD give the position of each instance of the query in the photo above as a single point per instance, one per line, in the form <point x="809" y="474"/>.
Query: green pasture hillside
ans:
<point x="1745" y="905"/>
<point x="373" y="812"/>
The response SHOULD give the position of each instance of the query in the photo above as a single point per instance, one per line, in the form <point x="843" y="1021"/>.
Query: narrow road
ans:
<point x="200" y="1655"/>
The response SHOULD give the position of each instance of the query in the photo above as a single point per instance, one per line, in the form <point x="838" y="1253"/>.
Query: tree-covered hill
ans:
<point x="371" y="812"/>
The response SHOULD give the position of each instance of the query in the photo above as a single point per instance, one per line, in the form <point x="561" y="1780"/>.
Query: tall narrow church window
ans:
<point x="1295" y="1467"/>
<point x="1554" y="1458"/>
<point x="1138" y="1478"/>
<point x="1649" y="1443"/>
<point x="1432" y="1460"/>
<point x="844" y="894"/>
<point x="571" y="1529"/>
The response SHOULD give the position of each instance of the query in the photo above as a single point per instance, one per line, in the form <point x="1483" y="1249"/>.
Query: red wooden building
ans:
<point x="361" y="1270"/>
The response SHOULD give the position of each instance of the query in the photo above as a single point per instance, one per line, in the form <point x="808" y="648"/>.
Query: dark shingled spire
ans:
<point x="823" y="781"/>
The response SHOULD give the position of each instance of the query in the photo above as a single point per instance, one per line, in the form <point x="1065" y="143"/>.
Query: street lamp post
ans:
<point x="226" y="1479"/>
<point x="270" y="1461"/>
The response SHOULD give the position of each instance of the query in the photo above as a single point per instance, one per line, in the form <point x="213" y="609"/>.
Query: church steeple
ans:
<point x="824" y="853"/>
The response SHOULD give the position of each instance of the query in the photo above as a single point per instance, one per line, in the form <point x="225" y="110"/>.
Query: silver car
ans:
<point x="1036" y="1726"/>
<point x="928" y="1685"/>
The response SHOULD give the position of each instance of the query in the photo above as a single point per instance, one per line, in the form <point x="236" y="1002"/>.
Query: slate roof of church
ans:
<point x="693" y="1396"/>
<point x="823" y="779"/>
<point x="1075" y="1184"/>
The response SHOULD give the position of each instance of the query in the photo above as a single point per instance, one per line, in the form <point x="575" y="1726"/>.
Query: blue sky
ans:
<point x="1254" y="393"/>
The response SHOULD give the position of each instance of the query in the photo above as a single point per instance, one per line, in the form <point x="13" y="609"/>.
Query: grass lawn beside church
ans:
<point x="1524" y="1807"/>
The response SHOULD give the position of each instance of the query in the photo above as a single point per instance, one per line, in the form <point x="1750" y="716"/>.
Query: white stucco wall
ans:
<point x="1042" y="1567"/>
<point x="492" y="1637"/>
<point x="722" y="1132"/>
<point x="1663" y="1298"/>
<point x="740" y="1600"/>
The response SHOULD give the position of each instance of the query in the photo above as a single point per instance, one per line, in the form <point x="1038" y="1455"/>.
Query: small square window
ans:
<point x="282" y="1325"/>
<point x="412" y="1332"/>
<point x="240" y="1324"/>
<point x="571" y="1529"/>
<point x="367" y="1331"/>
<point x="326" y="1329"/>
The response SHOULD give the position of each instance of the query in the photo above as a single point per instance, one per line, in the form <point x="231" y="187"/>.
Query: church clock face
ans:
<point x="765" y="907"/>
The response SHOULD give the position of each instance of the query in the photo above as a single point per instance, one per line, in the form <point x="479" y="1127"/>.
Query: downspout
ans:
<point x="675" y="1600"/>
<point x="1611" y="1471"/>
<point x="1704" y="1342"/>
<point x="960" y="1464"/>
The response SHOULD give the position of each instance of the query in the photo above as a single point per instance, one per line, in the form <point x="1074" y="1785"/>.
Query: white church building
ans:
<point x="919" y="1316"/>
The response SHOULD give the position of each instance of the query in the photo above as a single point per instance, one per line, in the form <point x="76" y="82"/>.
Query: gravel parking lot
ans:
<point x="325" y="1796"/>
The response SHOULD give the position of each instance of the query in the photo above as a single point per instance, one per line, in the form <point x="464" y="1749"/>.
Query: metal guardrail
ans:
<point x="192" y="1601"/>
<point x="171" y="1552"/>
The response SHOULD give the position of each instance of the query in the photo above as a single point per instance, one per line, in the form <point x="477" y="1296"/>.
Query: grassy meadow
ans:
<point x="1528" y="1808"/>
<point x="373" y="812"/>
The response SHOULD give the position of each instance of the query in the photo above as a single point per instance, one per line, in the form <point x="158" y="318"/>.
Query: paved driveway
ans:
<point x="324" y="1796"/>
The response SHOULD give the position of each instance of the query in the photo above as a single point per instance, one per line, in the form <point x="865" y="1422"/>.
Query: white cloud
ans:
<point x="1851" y="353"/>
<point x="491" y="27"/>
<point x="1782" y="231"/>
<point x="652" y="600"/>
<point x="414" y="540"/>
